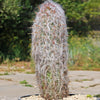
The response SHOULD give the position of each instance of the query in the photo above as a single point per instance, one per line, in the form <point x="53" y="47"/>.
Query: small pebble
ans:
<point x="74" y="97"/>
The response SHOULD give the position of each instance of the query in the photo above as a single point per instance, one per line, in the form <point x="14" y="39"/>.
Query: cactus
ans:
<point x="50" y="50"/>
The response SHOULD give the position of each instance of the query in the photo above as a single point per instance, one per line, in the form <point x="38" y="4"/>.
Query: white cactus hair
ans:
<point x="50" y="50"/>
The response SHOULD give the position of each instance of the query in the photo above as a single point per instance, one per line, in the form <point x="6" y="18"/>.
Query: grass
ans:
<point x="83" y="80"/>
<point x="25" y="83"/>
<point x="20" y="66"/>
<point x="28" y="85"/>
<point x="83" y="54"/>
<point x="6" y="73"/>
<point x="93" y="85"/>
<point x="32" y="66"/>
<point x="90" y="86"/>
<point x="29" y="72"/>
<point x="89" y="96"/>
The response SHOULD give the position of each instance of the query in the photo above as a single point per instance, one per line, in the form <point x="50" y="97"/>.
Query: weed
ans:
<point x="32" y="66"/>
<point x="1" y="74"/>
<point x="83" y="80"/>
<point x="89" y="96"/>
<point x="28" y="85"/>
<point x="84" y="87"/>
<point x="6" y="73"/>
<point x="90" y="86"/>
<point x="93" y="85"/>
<point x="29" y="72"/>
<point x="23" y="82"/>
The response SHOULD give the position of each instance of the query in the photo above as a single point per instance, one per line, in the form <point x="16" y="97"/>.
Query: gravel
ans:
<point x="74" y="97"/>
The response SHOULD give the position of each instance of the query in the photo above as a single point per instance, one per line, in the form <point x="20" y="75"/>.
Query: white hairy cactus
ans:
<point x="50" y="50"/>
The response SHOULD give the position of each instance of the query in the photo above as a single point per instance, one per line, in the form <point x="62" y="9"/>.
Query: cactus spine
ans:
<point x="50" y="50"/>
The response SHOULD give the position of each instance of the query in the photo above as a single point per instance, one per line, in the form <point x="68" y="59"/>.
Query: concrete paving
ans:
<point x="81" y="82"/>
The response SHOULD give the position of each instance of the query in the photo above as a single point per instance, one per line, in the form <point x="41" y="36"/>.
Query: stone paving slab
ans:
<point x="84" y="82"/>
<point x="81" y="82"/>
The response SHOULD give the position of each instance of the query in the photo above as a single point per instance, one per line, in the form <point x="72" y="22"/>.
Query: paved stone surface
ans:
<point x="81" y="82"/>
<point x="84" y="82"/>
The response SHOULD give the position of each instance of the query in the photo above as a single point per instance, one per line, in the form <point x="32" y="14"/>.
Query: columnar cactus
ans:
<point x="50" y="50"/>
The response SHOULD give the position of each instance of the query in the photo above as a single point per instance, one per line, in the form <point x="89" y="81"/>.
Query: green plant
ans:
<point x="83" y="54"/>
<point x="78" y="14"/>
<point x="89" y="96"/>
<point x="28" y="85"/>
<point x="23" y="82"/>
<point x="16" y="17"/>
<point x="6" y="73"/>
<point x="98" y="95"/>
<point x="83" y="80"/>
<point x="14" y="23"/>
<point x="32" y="66"/>
<point x="50" y="50"/>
